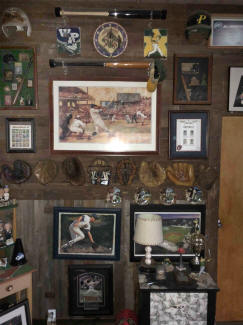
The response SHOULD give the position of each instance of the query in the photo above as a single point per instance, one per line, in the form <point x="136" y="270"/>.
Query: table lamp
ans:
<point x="148" y="232"/>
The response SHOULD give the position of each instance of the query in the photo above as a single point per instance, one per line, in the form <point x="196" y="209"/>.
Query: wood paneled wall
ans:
<point x="34" y="214"/>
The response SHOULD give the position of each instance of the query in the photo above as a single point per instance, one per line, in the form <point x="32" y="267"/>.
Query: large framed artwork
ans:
<point x="188" y="134"/>
<point x="90" y="289"/>
<point x="16" y="314"/>
<point x="104" y="117"/>
<point x="226" y="31"/>
<point x="192" y="79"/>
<point x="20" y="135"/>
<point x="18" y="78"/>
<point x="87" y="233"/>
<point x="236" y="89"/>
<point x="178" y="221"/>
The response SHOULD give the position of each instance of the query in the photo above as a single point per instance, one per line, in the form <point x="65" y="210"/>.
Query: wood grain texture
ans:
<point x="34" y="215"/>
<point x="230" y="242"/>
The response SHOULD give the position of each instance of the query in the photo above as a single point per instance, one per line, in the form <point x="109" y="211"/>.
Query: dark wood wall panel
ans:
<point x="34" y="214"/>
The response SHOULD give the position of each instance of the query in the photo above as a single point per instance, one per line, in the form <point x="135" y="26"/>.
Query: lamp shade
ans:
<point x="148" y="230"/>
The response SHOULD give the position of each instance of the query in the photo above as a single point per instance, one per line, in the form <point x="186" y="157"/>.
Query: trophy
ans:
<point x="197" y="242"/>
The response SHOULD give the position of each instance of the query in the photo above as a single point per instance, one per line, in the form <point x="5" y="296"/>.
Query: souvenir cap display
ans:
<point x="198" y="26"/>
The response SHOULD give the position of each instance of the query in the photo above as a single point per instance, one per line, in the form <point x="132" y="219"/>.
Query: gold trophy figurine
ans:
<point x="197" y="241"/>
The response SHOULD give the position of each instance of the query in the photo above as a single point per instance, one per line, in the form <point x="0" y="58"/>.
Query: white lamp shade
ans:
<point x="148" y="230"/>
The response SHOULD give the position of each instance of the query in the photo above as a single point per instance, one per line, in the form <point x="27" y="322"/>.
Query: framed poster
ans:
<point x="236" y="89"/>
<point x="188" y="134"/>
<point x="103" y="117"/>
<point x="192" y="79"/>
<point x="20" y="135"/>
<point x="226" y="31"/>
<point x="178" y="222"/>
<point x="18" y="78"/>
<point x="87" y="233"/>
<point x="16" y="314"/>
<point x="90" y="289"/>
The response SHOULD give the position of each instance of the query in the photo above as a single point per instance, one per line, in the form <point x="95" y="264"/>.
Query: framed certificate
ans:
<point x="188" y="134"/>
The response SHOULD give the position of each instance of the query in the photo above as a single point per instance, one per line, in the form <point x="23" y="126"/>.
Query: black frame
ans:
<point x="103" y="275"/>
<point x="174" y="151"/>
<point x="63" y="217"/>
<point x="194" y="84"/>
<point x="20" y="121"/>
<point x="159" y="253"/>
<point x="14" y="309"/>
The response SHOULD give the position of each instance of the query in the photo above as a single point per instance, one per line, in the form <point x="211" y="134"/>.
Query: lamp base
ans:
<point x="147" y="268"/>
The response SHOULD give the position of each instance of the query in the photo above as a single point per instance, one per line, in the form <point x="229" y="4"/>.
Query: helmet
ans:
<point x="15" y="17"/>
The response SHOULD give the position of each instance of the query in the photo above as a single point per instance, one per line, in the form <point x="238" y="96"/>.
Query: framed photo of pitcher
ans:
<point x="236" y="89"/>
<point x="87" y="233"/>
<point x="104" y="117"/>
<point x="90" y="289"/>
<point x="192" y="79"/>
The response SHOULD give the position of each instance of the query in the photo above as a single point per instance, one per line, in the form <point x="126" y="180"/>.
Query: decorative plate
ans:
<point x="110" y="39"/>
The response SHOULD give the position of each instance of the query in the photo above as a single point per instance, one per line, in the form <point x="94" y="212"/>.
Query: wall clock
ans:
<point x="110" y="39"/>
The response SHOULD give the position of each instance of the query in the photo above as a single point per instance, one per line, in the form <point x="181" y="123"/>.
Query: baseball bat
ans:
<point x="22" y="81"/>
<point x="135" y="13"/>
<point x="127" y="65"/>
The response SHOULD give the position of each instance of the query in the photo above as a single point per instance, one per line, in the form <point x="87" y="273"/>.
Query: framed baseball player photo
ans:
<point x="87" y="233"/>
<point x="103" y="117"/>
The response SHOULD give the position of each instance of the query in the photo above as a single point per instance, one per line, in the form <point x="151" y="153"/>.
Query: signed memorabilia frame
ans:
<point x="174" y="219"/>
<point x="16" y="314"/>
<point x="105" y="232"/>
<point x="20" y="135"/>
<point x="90" y="289"/>
<point x="188" y="134"/>
<point x="226" y="31"/>
<point x="192" y="79"/>
<point x="18" y="78"/>
<point x="112" y="117"/>
<point x="236" y="89"/>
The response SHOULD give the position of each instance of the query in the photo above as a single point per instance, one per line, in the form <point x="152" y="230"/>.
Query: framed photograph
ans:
<point x="90" y="289"/>
<point x="226" y="31"/>
<point x="178" y="221"/>
<point x="188" y="134"/>
<point x="20" y="135"/>
<point x="18" y="78"/>
<point x="104" y="117"/>
<point x="87" y="233"/>
<point x="192" y="79"/>
<point x="236" y="89"/>
<point x="17" y="314"/>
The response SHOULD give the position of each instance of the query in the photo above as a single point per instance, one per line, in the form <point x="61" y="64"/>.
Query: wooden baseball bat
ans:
<point x="135" y="13"/>
<point x="22" y="81"/>
<point x="127" y="65"/>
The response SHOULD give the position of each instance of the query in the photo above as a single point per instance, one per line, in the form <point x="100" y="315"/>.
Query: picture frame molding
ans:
<point x="235" y="79"/>
<point x="177" y="58"/>
<point x="77" y="308"/>
<point x="187" y="115"/>
<point x="11" y="313"/>
<point x="35" y="79"/>
<point x="224" y="17"/>
<point x="176" y="208"/>
<point x="17" y="121"/>
<point x="75" y="211"/>
<point x="154" y="121"/>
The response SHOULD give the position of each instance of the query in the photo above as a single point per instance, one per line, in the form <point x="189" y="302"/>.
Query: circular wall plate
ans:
<point x="110" y="39"/>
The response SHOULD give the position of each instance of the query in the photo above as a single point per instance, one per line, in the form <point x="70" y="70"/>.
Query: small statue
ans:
<point x="194" y="195"/>
<point x="143" y="196"/>
<point x="113" y="196"/>
<point x="168" y="197"/>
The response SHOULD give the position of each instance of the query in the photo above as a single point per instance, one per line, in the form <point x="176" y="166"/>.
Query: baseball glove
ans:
<point x="94" y="246"/>
<point x="151" y="173"/>
<point x="181" y="174"/>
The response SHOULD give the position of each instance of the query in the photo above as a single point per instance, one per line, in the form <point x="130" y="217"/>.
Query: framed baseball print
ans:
<point x="86" y="233"/>
<point x="192" y="79"/>
<point x="105" y="117"/>
<point x="236" y="89"/>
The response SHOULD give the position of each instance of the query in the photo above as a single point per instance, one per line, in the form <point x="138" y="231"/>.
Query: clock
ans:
<point x="110" y="39"/>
